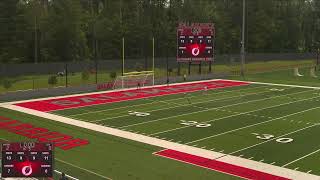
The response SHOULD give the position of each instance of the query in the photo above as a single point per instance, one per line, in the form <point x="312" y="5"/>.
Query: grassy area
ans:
<point x="41" y="81"/>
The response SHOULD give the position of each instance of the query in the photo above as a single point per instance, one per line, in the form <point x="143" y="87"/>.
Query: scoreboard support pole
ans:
<point x="189" y="68"/>
<point x="123" y="53"/>
<point x="210" y="68"/>
<point x="179" y="68"/>
<point x="200" y="67"/>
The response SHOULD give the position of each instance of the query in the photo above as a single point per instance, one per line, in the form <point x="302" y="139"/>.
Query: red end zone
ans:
<point x="218" y="165"/>
<point x="125" y="95"/>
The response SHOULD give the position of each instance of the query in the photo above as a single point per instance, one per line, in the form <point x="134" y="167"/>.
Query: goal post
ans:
<point x="133" y="79"/>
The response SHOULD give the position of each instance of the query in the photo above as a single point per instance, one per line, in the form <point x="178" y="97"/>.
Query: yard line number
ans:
<point x="195" y="124"/>
<point x="139" y="114"/>
<point x="270" y="136"/>
<point x="275" y="89"/>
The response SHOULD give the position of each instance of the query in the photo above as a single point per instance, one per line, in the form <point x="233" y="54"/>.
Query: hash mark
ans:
<point x="273" y="162"/>
<point x="250" y="158"/>
<point x="203" y="147"/>
<point x="309" y="171"/>
<point x="296" y="168"/>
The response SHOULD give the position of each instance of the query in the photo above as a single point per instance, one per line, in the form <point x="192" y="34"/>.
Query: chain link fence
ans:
<point x="84" y="76"/>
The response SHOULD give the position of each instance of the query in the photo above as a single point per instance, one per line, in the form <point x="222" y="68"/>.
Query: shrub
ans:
<point x="85" y="75"/>
<point x="113" y="75"/>
<point x="52" y="80"/>
<point x="7" y="84"/>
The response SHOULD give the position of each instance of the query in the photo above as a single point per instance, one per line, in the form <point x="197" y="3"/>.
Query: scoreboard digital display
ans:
<point x="27" y="159"/>
<point x="195" y="42"/>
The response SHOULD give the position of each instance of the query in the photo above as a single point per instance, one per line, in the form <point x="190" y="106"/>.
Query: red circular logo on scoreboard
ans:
<point x="196" y="49"/>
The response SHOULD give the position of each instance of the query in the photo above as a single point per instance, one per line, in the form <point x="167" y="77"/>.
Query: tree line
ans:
<point x="75" y="30"/>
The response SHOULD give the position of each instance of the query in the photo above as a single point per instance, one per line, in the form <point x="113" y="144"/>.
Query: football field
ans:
<point x="270" y="124"/>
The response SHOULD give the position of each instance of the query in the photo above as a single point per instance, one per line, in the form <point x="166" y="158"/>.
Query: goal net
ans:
<point x="134" y="79"/>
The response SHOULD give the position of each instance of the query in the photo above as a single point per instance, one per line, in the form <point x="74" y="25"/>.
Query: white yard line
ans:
<point x="73" y="178"/>
<point x="272" y="139"/>
<point x="163" y="101"/>
<point x="213" y="120"/>
<point x="268" y="168"/>
<point x="168" y="145"/>
<point x="91" y="172"/>
<point x="275" y="84"/>
<point x="107" y="91"/>
<point x="314" y="152"/>
<point x="252" y="125"/>
<point x="181" y="105"/>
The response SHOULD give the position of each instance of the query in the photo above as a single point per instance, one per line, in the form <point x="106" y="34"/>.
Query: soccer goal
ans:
<point x="134" y="79"/>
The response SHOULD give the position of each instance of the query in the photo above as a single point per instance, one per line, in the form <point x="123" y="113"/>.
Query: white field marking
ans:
<point x="296" y="168"/>
<point x="254" y="125"/>
<point x="102" y="176"/>
<point x="108" y="91"/>
<point x="274" y="84"/>
<point x="273" y="162"/>
<point x="271" y="169"/>
<point x="169" y="145"/>
<point x="241" y="155"/>
<point x="261" y="160"/>
<point x="179" y="105"/>
<point x="314" y="152"/>
<point x="163" y="101"/>
<point x="197" y="165"/>
<point x="66" y="175"/>
<point x="250" y="158"/>
<point x="203" y="147"/>
<point x="147" y="122"/>
<point x="102" y="92"/>
<point x="213" y="120"/>
<point x="309" y="171"/>
<point x="292" y="132"/>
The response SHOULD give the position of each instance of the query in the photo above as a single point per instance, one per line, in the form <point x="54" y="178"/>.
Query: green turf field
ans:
<point x="110" y="157"/>
<point x="271" y="124"/>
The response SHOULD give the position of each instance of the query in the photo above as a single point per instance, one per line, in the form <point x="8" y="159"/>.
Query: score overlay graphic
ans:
<point x="27" y="159"/>
<point x="195" y="42"/>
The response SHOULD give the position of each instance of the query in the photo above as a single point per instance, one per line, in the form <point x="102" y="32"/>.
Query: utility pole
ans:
<point x="35" y="40"/>
<point x="243" y="56"/>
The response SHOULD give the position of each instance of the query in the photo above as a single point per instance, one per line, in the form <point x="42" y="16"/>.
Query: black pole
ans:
<point x="96" y="64"/>
<point x="167" y="60"/>
<point x="318" y="51"/>
<point x="189" y="68"/>
<point x="66" y="69"/>
<point x="210" y="63"/>
<point x="179" y="69"/>
<point x="167" y="71"/>
<point x="200" y="68"/>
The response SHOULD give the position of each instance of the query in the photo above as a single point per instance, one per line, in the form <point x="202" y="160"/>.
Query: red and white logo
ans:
<point x="27" y="170"/>
<point x="195" y="51"/>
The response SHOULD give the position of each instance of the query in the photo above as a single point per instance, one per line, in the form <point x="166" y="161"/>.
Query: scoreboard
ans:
<point x="195" y="42"/>
<point x="27" y="159"/>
